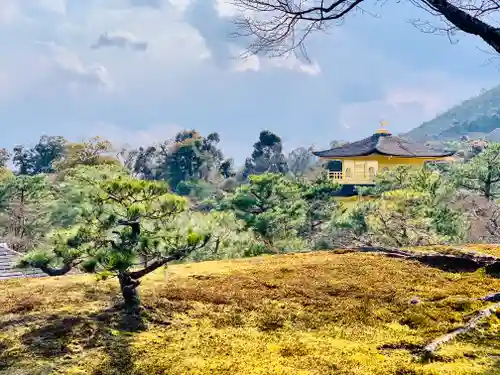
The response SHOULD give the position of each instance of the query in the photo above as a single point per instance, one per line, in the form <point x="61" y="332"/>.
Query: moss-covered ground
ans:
<point x="310" y="314"/>
<point x="478" y="248"/>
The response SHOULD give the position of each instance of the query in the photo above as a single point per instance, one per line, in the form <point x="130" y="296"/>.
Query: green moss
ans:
<point x="307" y="314"/>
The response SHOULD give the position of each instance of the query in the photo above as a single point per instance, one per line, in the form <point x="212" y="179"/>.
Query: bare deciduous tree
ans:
<point x="484" y="218"/>
<point x="277" y="27"/>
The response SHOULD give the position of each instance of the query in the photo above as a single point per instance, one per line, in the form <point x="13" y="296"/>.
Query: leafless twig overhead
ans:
<point x="278" y="27"/>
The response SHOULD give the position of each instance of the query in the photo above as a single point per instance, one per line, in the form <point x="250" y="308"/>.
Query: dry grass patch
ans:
<point x="318" y="313"/>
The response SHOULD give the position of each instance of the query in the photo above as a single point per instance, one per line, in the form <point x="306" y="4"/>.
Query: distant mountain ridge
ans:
<point x="478" y="117"/>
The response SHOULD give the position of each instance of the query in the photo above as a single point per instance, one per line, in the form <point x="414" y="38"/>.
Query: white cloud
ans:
<point x="174" y="48"/>
<point x="291" y="62"/>
<point x="250" y="63"/>
<point x="10" y="12"/>
<point x="156" y="4"/>
<point x="243" y="63"/>
<point x="122" y="136"/>
<point x="67" y="67"/>
<point x="229" y="9"/>
<point x="120" y="39"/>
<point x="407" y="105"/>
<point x="56" y="6"/>
<point x="185" y="76"/>
<point x="364" y="117"/>
<point x="226" y="9"/>
<point x="430" y="101"/>
<point x="16" y="11"/>
<point x="181" y="5"/>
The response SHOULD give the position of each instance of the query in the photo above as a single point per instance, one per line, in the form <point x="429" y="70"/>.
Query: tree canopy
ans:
<point x="482" y="173"/>
<point x="267" y="155"/>
<point x="79" y="207"/>
<point x="41" y="157"/>
<point x="125" y="222"/>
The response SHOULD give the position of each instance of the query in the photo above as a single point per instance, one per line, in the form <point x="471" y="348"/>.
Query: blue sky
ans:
<point x="137" y="71"/>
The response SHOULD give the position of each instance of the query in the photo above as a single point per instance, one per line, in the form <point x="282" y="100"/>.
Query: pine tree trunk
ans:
<point x="128" y="287"/>
<point x="487" y="190"/>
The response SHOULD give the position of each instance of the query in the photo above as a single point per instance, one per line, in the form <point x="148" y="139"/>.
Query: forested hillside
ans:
<point x="476" y="117"/>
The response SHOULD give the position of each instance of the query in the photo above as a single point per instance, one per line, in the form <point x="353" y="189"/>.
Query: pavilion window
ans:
<point x="334" y="166"/>
<point x="371" y="172"/>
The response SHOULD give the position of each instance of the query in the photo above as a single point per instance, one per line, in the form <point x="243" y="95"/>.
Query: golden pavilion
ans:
<point x="358" y="163"/>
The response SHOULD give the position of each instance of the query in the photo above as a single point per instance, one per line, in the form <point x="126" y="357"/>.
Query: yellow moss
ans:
<point x="489" y="249"/>
<point x="301" y="314"/>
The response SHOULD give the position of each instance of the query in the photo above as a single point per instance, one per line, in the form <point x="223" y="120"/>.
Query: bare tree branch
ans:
<point x="431" y="348"/>
<point x="61" y="271"/>
<point x="177" y="255"/>
<point x="279" y="27"/>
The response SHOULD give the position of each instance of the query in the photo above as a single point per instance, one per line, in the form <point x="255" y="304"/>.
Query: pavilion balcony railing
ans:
<point x="335" y="175"/>
<point x="353" y="178"/>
